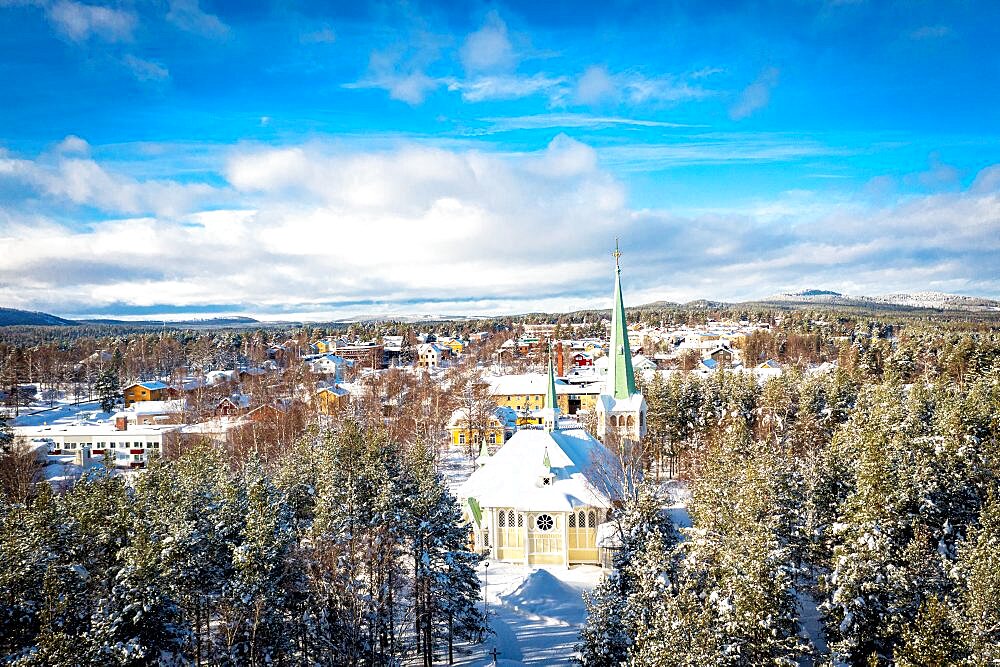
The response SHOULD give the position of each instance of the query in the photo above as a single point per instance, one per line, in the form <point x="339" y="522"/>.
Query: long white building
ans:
<point x="130" y="446"/>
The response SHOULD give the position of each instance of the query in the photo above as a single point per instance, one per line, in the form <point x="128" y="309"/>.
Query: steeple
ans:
<point x="621" y="380"/>
<point x="550" y="413"/>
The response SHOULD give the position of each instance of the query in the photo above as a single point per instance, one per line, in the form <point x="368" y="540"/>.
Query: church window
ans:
<point x="572" y="520"/>
<point x="591" y="519"/>
<point x="520" y="520"/>
<point x="502" y="520"/>
<point x="630" y="421"/>
<point x="544" y="522"/>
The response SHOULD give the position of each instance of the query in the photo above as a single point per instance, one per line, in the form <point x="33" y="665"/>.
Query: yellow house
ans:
<point x="525" y="393"/>
<point x="144" y="391"/>
<point x="323" y="346"/>
<point x="461" y="434"/>
<point x="331" y="400"/>
<point x="457" y="346"/>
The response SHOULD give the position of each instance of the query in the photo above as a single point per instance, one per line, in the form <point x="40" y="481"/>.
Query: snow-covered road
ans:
<point x="535" y="614"/>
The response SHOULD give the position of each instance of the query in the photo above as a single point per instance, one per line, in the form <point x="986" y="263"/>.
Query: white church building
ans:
<point x="540" y="498"/>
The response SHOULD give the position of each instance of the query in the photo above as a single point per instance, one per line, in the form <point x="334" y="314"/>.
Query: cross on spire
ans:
<point x="616" y="254"/>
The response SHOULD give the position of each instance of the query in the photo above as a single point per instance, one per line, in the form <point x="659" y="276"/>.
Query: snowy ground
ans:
<point x="62" y="412"/>
<point x="455" y="466"/>
<point x="535" y="614"/>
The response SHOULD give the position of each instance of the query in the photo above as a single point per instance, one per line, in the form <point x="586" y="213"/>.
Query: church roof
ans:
<point x="511" y="477"/>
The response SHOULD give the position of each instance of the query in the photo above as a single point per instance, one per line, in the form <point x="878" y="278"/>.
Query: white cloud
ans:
<point x="938" y="175"/>
<point x="69" y="176"/>
<point x="488" y="49"/>
<point x="567" y="120"/>
<point x="73" y="144"/>
<point x="400" y="74"/>
<point x="333" y="229"/>
<point x="189" y="16"/>
<point x="509" y="87"/>
<point x="79" y="21"/>
<point x="597" y="85"/>
<point x="146" y="70"/>
<point x="755" y="96"/>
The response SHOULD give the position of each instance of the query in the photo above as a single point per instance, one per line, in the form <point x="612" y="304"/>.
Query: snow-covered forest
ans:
<point x="348" y="551"/>
<point x="850" y="518"/>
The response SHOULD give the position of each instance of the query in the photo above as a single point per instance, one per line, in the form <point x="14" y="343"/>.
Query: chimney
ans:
<point x="121" y="423"/>
<point x="559" y="359"/>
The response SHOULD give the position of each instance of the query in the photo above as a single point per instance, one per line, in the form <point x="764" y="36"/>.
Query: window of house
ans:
<point x="545" y="522"/>
<point x="493" y="438"/>
<point x="461" y="438"/>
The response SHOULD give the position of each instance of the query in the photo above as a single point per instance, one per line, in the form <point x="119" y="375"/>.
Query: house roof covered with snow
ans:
<point x="152" y="385"/>
<point x="513" y="476"/>
<point x="158" y="407"/>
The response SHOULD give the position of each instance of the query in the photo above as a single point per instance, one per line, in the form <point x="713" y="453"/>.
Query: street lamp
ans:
<point x="486" y="588"/>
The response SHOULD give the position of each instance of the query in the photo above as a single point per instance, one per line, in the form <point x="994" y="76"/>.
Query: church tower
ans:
<point x="621" y="410"/>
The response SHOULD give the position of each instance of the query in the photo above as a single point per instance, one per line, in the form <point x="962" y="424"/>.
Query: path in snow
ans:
<point x="535" y="614"/>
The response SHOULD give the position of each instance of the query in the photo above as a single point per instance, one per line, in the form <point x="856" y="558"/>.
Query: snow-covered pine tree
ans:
<point x="445" y="583"/>
<point x="186" y="500"/>
<point x="922" y="473"/>
<point x="35" y="542"/>
<point x="979" y="591"/>
<point x="256" y="624"/>
<point x="613" y="620"/>
<point x="108" y="388"/>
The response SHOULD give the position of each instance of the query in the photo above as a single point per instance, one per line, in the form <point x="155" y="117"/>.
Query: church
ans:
<point x="540" y="498"/>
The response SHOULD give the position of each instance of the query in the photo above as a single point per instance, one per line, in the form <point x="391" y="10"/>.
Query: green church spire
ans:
<point x="621" y="380"/>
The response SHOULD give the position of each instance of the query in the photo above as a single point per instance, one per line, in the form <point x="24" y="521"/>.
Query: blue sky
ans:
<point x="336" y="159"/>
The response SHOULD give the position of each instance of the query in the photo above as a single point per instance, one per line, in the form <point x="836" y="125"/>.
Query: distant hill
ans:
<point x="209" y="322"/>
<point x="10" y="317"/>
<point x="899" y="301"/>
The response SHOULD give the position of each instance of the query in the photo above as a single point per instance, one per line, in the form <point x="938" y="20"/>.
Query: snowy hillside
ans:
<point x="936" y="300"/>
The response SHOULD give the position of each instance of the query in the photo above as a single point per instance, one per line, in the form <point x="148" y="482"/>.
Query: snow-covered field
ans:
<point x="535" y="614"/>
<point x="61" y="413"/>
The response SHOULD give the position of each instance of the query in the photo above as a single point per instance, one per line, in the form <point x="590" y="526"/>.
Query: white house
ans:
<point x="329" y="364"/>
<point x="430" y="355"/>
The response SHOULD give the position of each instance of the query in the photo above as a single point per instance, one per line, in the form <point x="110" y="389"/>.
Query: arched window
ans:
<point x="572" y="520"/>
<point x="502" y="520"/>
<point x="592" y="519"/>
<point x="630" y="421"/>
